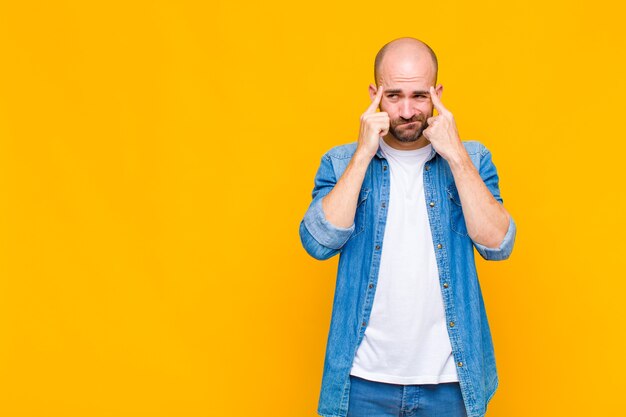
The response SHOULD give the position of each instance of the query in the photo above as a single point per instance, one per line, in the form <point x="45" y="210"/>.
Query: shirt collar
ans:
<point x="379" y="153"/>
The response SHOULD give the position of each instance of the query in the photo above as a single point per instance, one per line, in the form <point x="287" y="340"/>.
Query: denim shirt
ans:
<point x="359" y="247"/>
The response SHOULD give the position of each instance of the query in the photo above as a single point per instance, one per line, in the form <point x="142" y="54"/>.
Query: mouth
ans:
<point x="408" y="124"/>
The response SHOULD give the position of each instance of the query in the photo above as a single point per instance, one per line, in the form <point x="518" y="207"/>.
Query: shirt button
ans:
<point x="445" y="285"/>
<point x="432" y="204"/>
<point x="427" y="167"/>
<point x="439" y="246"/>
<point x="384" y="205"/>
<point x="363" y="324"/>
<point x="460" y="363"/>
<point x="451" y="324"/>
<point x="384" y="167"/>
<point x="371" y="285"/>
<point x="377" y="247"/>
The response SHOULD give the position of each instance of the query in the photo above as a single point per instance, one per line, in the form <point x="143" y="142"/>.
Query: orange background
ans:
<point x="156" y="159"/>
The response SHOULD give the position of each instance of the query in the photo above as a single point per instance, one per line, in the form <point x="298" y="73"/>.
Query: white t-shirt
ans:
<point x="406" y="340"/>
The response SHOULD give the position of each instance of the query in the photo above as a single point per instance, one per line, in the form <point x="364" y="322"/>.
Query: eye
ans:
<point x="392" y="95"/>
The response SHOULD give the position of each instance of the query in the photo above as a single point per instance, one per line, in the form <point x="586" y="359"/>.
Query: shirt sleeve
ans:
<point x="320" y="238"/>
<point x="489" y="175"/>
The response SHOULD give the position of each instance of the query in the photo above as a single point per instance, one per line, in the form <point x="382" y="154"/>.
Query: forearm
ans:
<point x="340" y="203"/>
<point x="486" y="219"/>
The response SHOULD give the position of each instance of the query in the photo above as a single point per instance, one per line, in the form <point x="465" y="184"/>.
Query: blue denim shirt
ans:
<point x="359" y="247"/>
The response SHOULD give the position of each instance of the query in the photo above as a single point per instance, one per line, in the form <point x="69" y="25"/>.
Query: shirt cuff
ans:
<point x="504" y="250"/>
<point x="322" y="230"/>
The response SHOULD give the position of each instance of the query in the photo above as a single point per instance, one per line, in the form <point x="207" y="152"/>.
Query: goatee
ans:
<point x="406" y="134"/>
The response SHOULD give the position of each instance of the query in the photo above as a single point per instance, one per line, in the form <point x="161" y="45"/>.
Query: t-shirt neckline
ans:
<point x="399" y="152"/>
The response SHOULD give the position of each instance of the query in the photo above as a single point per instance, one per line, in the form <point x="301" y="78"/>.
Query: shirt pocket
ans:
<point x="457" y="220"/>
<point x="360" y="214"/>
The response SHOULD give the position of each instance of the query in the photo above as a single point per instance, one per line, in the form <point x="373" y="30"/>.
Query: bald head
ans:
<point x="404" y="48"/>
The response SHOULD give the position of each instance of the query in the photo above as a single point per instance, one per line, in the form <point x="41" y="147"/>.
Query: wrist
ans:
<point x="460" y="159"/>
<point x="361" y="157"/>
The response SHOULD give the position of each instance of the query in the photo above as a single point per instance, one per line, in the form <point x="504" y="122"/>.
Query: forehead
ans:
<point x="407" y="73"/>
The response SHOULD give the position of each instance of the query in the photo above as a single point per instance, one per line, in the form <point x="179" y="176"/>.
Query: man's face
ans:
<point x="406" y="98"/>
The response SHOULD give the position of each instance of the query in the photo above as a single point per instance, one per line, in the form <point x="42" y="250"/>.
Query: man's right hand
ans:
<point x="373" y="125"/>
<point x="339" y="205"/>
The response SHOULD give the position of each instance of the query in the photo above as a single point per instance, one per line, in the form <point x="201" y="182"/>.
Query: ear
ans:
<point x="372" y="90"/>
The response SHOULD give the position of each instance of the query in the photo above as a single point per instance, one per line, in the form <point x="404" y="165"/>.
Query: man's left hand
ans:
<point x="442" y="132"/>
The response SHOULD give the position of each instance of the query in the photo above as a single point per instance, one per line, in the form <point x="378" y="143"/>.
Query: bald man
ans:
<point x="405" y="206"/>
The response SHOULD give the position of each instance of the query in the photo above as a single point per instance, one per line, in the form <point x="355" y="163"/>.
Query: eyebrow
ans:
<point x="396" y="91"/>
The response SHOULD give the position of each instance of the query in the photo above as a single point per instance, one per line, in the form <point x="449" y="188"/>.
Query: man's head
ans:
<point x="406" y="67"/>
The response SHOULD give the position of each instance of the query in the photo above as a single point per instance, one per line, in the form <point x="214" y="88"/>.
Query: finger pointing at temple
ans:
<point x="437" y="102"/>
<point x="379" y="94"/>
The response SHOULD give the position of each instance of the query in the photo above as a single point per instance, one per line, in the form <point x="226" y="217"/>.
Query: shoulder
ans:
<point x="344" y="151"/>
<point x="347" y="150"/>
<point x="336" y="159"/>
<point x="474" y="147"/>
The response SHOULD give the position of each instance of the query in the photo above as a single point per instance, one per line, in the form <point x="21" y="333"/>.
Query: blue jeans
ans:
<point x="380" y="399"/>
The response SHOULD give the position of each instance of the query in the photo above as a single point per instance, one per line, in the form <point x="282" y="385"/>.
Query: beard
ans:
<point x="405" y="133"/>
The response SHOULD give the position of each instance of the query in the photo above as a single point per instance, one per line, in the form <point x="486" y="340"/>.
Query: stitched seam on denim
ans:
<point x="363" y="197"/>
<point x="456" y="206"/>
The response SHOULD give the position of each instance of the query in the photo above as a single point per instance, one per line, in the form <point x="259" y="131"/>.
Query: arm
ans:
<point x="329" y="221"/>
<point x="489" y="224"/>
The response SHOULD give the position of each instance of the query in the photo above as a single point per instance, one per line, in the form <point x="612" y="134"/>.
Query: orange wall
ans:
<point x="157" y="157"/>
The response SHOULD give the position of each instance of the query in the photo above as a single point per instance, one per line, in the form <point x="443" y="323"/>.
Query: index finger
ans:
<point x="436" y="101"/>
<point x="379" y="94"/>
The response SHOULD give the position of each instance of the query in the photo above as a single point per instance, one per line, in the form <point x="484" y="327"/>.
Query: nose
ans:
<point x="406" y="110"/>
